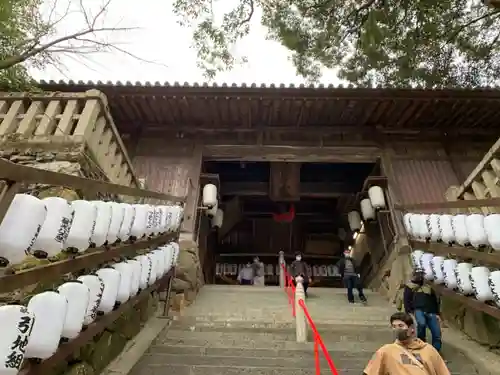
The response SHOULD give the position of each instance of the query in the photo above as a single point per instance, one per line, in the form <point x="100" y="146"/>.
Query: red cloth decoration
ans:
<point x="285" y="217"/>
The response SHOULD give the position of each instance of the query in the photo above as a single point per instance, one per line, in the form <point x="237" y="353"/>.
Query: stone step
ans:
<point x="170" y="369"/>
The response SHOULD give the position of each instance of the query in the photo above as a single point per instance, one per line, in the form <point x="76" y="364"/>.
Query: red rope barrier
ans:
<point x="318" y="342"/>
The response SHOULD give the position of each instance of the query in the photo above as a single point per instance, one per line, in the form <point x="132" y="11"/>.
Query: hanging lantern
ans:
<point x="55" y="228"/>
<point x="377" y="199"/>
<point x="153" y="258"/>
<point x="175" y="255"/>
<point x="17" y="325"/>
<point x="285" y="217"/>
<point x="111" y="279"/>
<point x="437" y="269"/>
<point x="407" y="224"/>
<point x="96" y="288"/>
<point x="450" y="275"/>
<point x="435" y="229"/>
<point x="146" y="265"/>
<point x="102" y="222"/>
<point x="82" y="228"/>
<point x="367" y="210"/>
<point x="416" y="257"/>
<point x="209" y="196"/>
<point x="77" y="295"/>
<point x="354" y="220"/>
<point x="218" y="219"/>
<point x="211" y="212"/>
<point x="128" y="220"/>
<point x="460" y="229"/>
<point x="140" y="221"/>
<point x="20" y="227"/>
<point x="136" y="276"/>
<point x="463" y="278"/>
<point x="476" y="231"/>
<point x="117" y="216"/>
<point x="491" y="225"/>
<point x="168" y="253"/>
<point x="125" y="287"/>
<point x="494" y="282"/>
<point x="447" y="229"/>
<point x="49" y="309"/>
<point x="479" y="278"/>
<point x="160" y="263"/>
<point x="426" y="261"/>
<point x="150" y="220"/>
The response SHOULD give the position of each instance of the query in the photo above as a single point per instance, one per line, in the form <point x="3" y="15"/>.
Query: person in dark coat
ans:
<point x="350" y="275"/>
<point x="421" y="301"/>
<point x="299" y="268"/>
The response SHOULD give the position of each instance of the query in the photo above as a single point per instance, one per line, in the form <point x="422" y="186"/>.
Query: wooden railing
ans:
<point x="14" y="179"/>
<point x="64" y="119"/>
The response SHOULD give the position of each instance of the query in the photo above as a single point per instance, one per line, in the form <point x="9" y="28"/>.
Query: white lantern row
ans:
<point x="475" y="229"/>
<point x="463" y="277"/>
<point x="45" y="227"/>
<point x="35" y="331"/>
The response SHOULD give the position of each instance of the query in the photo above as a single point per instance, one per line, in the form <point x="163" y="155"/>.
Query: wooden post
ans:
<point x="191" y="207"/>
<point x="300" y="317"/>
<point x="281" y="263"/>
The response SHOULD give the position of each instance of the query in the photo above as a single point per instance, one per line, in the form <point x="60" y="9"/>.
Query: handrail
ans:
<point x="318" y="341"/>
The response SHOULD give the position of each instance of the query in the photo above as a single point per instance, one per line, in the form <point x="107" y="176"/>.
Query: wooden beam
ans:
<point x="307" y="189"/>
<point x="291" y="153"/>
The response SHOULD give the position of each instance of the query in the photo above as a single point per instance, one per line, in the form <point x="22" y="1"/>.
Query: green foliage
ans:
<point x="21" y="26"/>
<point x="371" y="42"/>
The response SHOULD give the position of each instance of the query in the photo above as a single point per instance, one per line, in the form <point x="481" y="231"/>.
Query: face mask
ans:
<point x="347" y="255"/>
<point x="401" y="334"/>
<point x="418" y="280"/>
<point x="298" y="257"/>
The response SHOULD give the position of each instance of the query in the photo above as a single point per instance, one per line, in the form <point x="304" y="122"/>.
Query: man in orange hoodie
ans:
<point x="408" y="355"/>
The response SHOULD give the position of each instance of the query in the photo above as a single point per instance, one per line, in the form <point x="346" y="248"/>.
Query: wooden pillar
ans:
<point x="191" y="208"/>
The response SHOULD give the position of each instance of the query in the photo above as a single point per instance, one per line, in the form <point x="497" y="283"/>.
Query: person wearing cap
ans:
<point x="350" y="275"/>
<point x="299" y="268"/>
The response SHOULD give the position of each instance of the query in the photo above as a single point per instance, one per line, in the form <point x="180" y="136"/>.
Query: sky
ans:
<point x="160" y="39"/>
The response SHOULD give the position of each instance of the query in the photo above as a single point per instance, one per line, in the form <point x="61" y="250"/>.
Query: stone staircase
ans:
<point x="233" y="330"/>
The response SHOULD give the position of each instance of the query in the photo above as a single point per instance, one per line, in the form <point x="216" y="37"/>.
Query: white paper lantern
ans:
<point x="20" y="227"/>
<point x="125" y="287"/>
<point x="169" y="219"/>
<point x="209" y="195"/>
<point x="162" y="225"/>
<point x="17" y="325"/>
<point x="479" y="278"/>
<point x="407" y="223"/>
<point x="416" y="257"/>
<point x="55" y="228"/>
<point x="450" y="274"/>
<point x="494" y="282"/>
<point x="49" y="309"/>
<point x="437" y="269"/>
<point x="77" y="294"/>
<point x="150" y="220"/>
<point x="136" y="276"/>
<point x="460" y="229"/>
<point x="117" y="216"/>
<point x="476" y="231"/>
<point x="367" y="210"/>
<point x="462" y="271"/>
<point x="178" y="213"/>
<point x="354" y="220"/>
<point x="218" y="219"/>
<point x="211" y="212"/>
<point x="102" y="222"/>
<point x="376" y="195"/>
<point x="128" y="220"/>
<point x="435" y="228"/>
<point x="111" y="279"/>
<point x="160" y="262"/>
<point x="140" y="221"/>
<point x="96" y="288"/>
<point x="426" y="262"/>
<point x="82" y="228"/>
<point x="447" y="230"/>
<point x="154" y="267"/>
<point x="425" y="227"/>
<point x="168" y="252"/>
<point x="176" y="252"/>
<point x="491" y="225"/>
<point x="145" y="270"/>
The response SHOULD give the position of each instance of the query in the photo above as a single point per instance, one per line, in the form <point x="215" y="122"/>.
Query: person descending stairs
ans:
<point x="232" y="330"/>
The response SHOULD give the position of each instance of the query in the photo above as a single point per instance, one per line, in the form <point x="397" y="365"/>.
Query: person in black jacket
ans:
<point x="350" y="275"/>
<point x="421" y="301"/>
<point x="299" y="268"/>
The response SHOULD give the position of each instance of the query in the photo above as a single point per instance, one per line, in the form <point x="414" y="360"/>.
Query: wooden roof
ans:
<point x="156" y="107"/>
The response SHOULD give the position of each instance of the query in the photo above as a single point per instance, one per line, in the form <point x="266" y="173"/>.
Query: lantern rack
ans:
<point x="14" y="178"/>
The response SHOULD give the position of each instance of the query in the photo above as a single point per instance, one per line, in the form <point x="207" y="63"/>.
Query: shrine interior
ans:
<point x="291" y="207"/>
